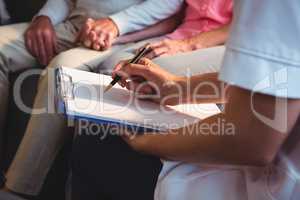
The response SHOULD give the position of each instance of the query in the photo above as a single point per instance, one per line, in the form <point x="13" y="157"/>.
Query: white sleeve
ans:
<point x="267" y="58"/>
<point x="4" y="16"/>
<point x="145" y="14"/>
<point x="56" y="10"/>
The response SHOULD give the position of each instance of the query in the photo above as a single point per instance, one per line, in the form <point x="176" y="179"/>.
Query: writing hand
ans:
<point x="150" y="81"/>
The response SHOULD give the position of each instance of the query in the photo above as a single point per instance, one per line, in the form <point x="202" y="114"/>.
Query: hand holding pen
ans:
<point x="140" y="54"/>
<point x="149" y="81"/>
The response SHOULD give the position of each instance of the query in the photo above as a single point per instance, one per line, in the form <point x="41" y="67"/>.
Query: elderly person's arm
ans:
<point x="56" y="10"/>
<point x="40" y="37"/>
<point x="147" y="13"/>
<point x="200" y="41"/>
<point x="100" y="34"/>
<point x="162" y="28"/>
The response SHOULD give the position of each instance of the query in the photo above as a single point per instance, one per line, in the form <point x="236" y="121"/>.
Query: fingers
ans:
<point x="87" y="27"/>
<point x="99" y="34"/>
<point x="35" y="49"/>
<point x="130" y="70"/>
<point x="90" y="39"/>
<point x="118" y="67"/>
<point x="108" y="41"/>
<point x="105" y="35"/>
<point x="145" y="61"/>
<point x="122" y="72"/>
<point x="40" y="40"/>
<point x="158" y="49"/>
<point x="93" y="38"/>
<point x="87" y="43"/>
<point x="96" y="46"/>
<point x="123" y="66"/>
<point x="147" y="45"/>
<point x="156" y="52"/>
<point x="50" y="44"/>
<point x="96" y="40"/>
<point x="31" y="42"/>
<point x="54" y="38"/>
<point x="29" y="45"/>
<point x="84" y="33"/>
<point x="43" y="47"/>
<point x="101" y="39"/>
<point x="157" y="44"/>
<point x="48" y="48"/>
<point x="136" y="72"/>
<point x="116" y="71"/>
<point x="141" y="88"/>
<point x="42" y="55"/>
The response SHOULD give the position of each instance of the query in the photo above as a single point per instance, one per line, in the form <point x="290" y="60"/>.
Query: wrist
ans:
<point x="115" y="25"/>
<point x="42" y="17"/>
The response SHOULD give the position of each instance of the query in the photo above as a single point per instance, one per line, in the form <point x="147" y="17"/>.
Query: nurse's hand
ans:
<point x="149" y="81"/>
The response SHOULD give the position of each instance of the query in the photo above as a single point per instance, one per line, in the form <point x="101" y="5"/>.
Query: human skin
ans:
<point x="253" y="143"/>
<point x="40" y="39"/>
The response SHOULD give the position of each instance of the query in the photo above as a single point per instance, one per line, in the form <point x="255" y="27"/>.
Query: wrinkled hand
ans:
<point x="168" y="47"/>
<point x="40" y="40"/>
<point x="149" y="81"/>
<point x="98" y="34"/>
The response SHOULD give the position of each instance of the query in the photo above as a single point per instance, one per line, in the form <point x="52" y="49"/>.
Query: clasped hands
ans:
<point x="98" y="34"/>
<point x="41" y="38"/>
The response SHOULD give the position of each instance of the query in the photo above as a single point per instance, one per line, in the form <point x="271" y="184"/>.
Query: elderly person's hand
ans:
<point x="169" y="47"/>
<point x="41" y="40"/>
<point x="149" y="81"/>
<point x="98" y="34"/>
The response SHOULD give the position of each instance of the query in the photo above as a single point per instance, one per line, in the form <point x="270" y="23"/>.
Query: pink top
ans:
<point x="202" y="16"/>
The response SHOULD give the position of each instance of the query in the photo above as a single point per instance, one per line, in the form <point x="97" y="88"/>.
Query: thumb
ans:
<point x="138" y="70"/>
<point x="86" y="28"/>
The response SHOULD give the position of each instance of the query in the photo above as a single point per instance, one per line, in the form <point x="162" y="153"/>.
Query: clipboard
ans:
<point x="67" y="82"/>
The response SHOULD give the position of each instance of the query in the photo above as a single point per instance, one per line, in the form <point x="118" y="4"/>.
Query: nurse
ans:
<point x="258" y="160"/>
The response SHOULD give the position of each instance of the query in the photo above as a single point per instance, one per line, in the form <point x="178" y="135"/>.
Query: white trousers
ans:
<point x="46" y="133"/>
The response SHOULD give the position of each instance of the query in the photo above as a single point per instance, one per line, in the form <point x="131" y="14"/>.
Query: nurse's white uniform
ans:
<point x="263" y="54"/>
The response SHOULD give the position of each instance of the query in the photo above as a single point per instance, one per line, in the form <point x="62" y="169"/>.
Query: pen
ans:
<point x="134" y="60"/>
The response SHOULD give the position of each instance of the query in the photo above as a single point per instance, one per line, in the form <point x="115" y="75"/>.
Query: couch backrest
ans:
<point x="23" y="10"/>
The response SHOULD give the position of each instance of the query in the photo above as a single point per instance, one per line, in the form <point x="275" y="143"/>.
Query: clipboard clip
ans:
<point x="64" y="89"/>
<point x="64" y="85"/>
